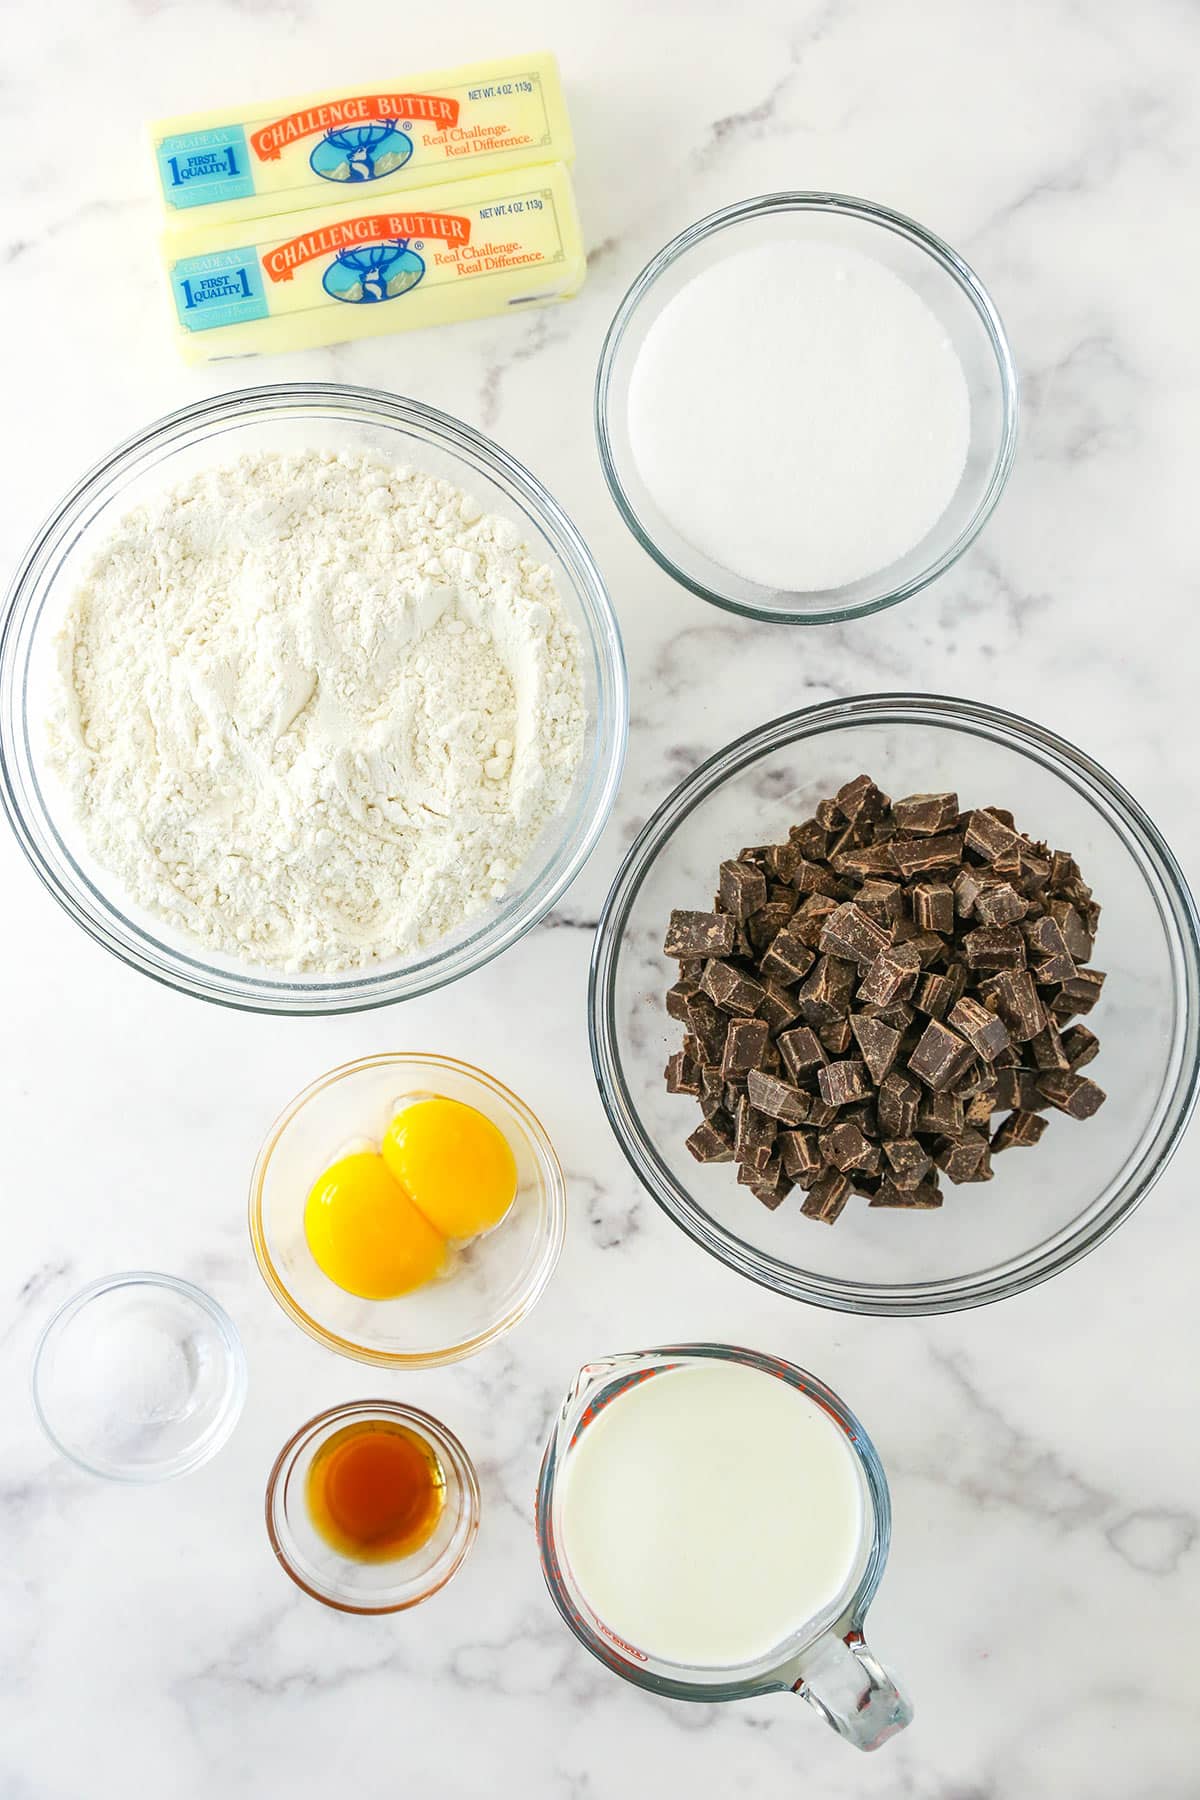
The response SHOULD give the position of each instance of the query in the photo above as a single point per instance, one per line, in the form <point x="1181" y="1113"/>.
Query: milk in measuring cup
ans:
<point x="711" y="1512"/>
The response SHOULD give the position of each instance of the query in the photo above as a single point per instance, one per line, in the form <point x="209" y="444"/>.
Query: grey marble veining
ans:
<point x="1045" y="1574"/>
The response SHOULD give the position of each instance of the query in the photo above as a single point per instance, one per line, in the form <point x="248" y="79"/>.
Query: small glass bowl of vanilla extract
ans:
<point x="372" y="1506"/>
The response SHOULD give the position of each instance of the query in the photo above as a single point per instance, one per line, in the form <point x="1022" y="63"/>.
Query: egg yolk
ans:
<point x="365" y="1233"/>
<point x="454" y="1163"/>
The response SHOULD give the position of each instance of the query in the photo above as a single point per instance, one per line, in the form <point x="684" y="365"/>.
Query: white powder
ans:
<point x="135" y="1378"/>
<point x="799" y="415"/>
<point x="315" y="710"/>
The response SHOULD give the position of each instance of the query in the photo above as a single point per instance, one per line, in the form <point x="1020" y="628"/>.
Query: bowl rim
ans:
<point x="219" y="1433"/>
<point x="264" y="990"/>
<point x="424" y="1423"/>
<point x="1181" y="926"/>
<point x="867" y="212"/>
<point x="553" y="1183"/>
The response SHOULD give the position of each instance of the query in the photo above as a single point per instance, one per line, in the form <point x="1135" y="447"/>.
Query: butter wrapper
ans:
<point x="289" y="155"/>
<point x="460" y="250"/>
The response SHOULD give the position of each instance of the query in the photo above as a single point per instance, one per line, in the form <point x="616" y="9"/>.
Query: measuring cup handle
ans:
<point x="853" y="1691"/>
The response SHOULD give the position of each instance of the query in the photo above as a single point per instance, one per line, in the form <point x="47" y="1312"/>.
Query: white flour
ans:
<point x="799" y="415"/>
<point x="315" y="710"/>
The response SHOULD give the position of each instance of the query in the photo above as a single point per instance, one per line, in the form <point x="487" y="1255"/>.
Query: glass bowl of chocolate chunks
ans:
<point x="894" y="1004"/>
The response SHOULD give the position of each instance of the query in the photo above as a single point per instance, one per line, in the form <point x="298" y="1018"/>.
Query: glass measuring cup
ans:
<point x="827" y="1659"/>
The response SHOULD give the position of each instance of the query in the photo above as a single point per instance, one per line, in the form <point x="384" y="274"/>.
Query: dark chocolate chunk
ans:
<point x="698" y="934"/>
<point x="898" y="1101"/>
<point x="883" y="901"/>
<point x="778" y="1006"/>
<point x="853" y="935"/>
<point x="1077" y="939"/>
<point x="828" y="991"/>
<point x="1018" y="1004"/>
<point x="1083" y="990"/>
<point x="845" y="1147"/>
<point x="1044" y="938"/>
<point x="910" y="1161"/>
<point x="813" y="880"/>
<point x="820" y="1114"/>
<point x="1047" y="1047"/>
<point x="766" y="924"/>
<point x="712" y="1141"/>
<point x="878" y="1042"/>
<point x="988" y="836"/>
<point x="809" y="919"/>
<point x="773" y="1185"/>
<point x="783" y="860"/>
<point x="729" y="989"/>
<point x="798" y="1153"/>
<point x="753" y="1133"/>
<point x="712" y="1090"/>
<point x="1054" y="970"/>
<point x="811" y="839"/>
<point x="964" y="1158"/>
<point x="998" y="903"/>
<point x="994" y="947"/>
<point x="778" y="1099"/>
<point x="678" y="997"/>
<point x="925" y="1196"/>
<point x="940" y="1057"/>
<point x="1081" y="1045"/>
<point x="745" y="1042"/>
<point x="925" y="855"/>
<point x="1018" y="1130"/>
<point x="968" y="885"/>
<point x="826" y="1199"/>
<point x="836" y="1036"/>
<point x="1018" y="1088"/>
<point x="936" y="994"/>
<point x="682" y="1074"/>
<point x="801" y="1051"/>
<point x="843" y="1082"/>
<point x="933" y="906"/>
<point x="709" y="1025"/>
<point x="1073" y="1094"/>
<point x="788" y="958"/>
<point x="986" y="1033"/>
<point x="926" y="815"/>
<point x="872" y="859"/>
<point x="980" y="1107"/>
<point x="742" y="889"/>
<point x="860" y="801"/>
<point x="941" y="1115"/>
<point x="892" y="976"/>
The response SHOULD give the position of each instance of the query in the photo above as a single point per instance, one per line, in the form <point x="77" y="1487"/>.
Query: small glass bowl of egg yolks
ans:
<point x="407" y="1209"/>
<point x="380" y="1222"/>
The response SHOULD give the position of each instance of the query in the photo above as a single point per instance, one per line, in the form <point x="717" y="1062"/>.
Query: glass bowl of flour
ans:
<point x="311" y="699"/>
<point x="806" y="407"/>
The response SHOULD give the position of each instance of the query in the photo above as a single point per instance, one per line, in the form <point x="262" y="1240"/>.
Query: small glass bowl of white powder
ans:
<point x="139" y="1377"/>
<point x="806" y="407"/>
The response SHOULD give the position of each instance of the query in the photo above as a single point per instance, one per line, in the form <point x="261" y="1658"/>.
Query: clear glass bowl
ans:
<point x="951" y="290"/>
<point x="382" y="1587"/>
<point x="291" y="417"/>
<point x="492" y="1283"/>
<point x="127" y="1439"/>
<point x="1047" y="1206"/>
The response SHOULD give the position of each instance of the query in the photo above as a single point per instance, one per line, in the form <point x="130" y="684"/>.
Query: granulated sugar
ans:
<point x="799" y="415"/>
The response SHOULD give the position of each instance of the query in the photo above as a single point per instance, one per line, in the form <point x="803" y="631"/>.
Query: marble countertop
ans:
<point x="1042" y="1453"/>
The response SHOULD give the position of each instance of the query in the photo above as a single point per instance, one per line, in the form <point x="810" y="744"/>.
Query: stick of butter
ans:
<point x="460" y="250"/>
<point x="257" y="161"/>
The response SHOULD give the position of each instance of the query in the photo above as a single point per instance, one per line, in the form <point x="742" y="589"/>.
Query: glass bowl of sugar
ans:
<point x="139" y="1377"/>
<point x="806" y="407"/>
